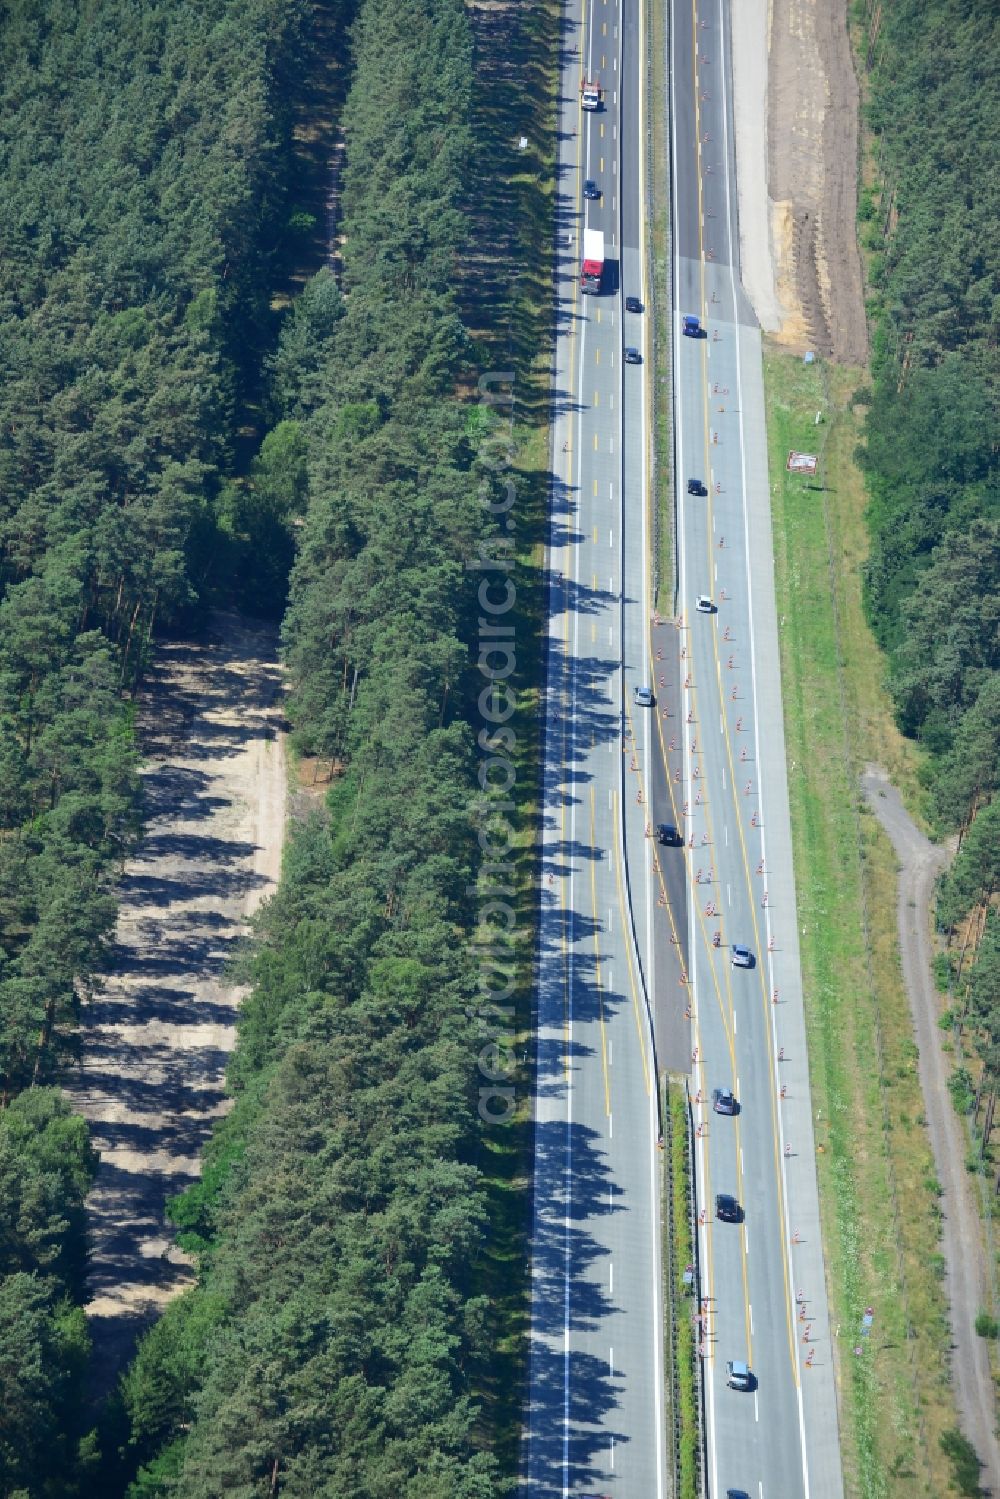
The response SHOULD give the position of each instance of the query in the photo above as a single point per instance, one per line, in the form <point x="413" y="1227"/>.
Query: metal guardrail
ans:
<point x="671" y="1280"/>
<point x="661" y="308"/>
<point x="699" y="1363"/>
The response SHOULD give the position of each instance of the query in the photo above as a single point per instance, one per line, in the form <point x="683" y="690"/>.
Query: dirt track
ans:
<point x="961" y="1237"/>
<point x="156" y="1037"/>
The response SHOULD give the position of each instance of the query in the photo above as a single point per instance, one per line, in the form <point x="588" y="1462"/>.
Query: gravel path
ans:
<point x="156" y="1037"/>
<point x="961" y="1237"/>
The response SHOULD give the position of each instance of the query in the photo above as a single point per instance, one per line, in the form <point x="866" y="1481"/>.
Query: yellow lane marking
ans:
<point x="564" y="944"/>
<point x="597" y="959"/>
<point x="628" y="944"/>
<point x="710" y="533"/>
<point x="782" y="1204"/>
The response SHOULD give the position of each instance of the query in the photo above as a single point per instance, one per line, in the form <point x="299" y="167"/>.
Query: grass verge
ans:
<point x="510" y="316"/>
<point x="680" y="1362"/>
<point x="658" y="218"/>
<point x="878" y="1192"/>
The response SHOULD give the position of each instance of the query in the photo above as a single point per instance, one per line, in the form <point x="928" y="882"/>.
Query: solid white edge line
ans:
<point x="555" y="589"/>
<point x="568" y="1151"/>
<point x="659" y="1399"/>
<point x="786" y="1247"/>
<point x="708" y="1366"/>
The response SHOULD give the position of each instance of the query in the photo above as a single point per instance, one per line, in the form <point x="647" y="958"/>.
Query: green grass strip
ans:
<point x="876" y="1180"/>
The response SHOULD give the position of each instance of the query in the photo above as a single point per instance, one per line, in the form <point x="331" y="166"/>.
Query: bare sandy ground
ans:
<point x="750" y="29"/>
<point x="156" y="1037"/>
<point x="796" y="109"/>
<point x="920" y="862"/>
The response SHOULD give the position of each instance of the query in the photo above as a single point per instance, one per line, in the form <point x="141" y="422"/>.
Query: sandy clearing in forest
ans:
<point x="157" y="1034"/>
<point x="796" y="106"/>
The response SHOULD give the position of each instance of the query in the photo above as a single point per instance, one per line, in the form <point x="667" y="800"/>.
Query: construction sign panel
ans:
<point x="801" y="463"/>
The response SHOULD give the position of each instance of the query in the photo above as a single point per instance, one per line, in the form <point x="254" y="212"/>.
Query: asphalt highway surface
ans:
<point x="595" y="1422"/>
<point x="634" y="934"/>
<point x="763" y="1299"/>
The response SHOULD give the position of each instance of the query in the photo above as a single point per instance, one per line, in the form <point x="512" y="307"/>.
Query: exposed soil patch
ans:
<point x="156" y="1037"/>
<point x="800" y="259"/>
<point x="812" y="175"/>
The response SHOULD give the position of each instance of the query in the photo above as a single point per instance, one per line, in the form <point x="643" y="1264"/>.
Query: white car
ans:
<point x="705" y="605"/>
<point x="644" y="697"/>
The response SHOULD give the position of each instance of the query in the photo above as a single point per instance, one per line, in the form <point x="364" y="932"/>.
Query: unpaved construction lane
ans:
<point x="796" y="115"/>
<point x="157" y="1034"/>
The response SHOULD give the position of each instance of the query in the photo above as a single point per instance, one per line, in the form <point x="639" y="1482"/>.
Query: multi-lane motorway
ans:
<point x="596" y="1407"/>
<point x="624" y="922"/>
<point x="763" y="1285"/>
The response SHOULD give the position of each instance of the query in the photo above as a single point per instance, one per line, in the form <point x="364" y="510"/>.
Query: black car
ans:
<point x="591" y="189"/>
<point x="727" y="1209"/>
<point x="632" y="355"/>
<point x="737" y="1494"/>
<point x="724" y="1101"/>
<point x="695" y="486"/>
<point x="632" y="304"/>
<point x="667" y="833"/>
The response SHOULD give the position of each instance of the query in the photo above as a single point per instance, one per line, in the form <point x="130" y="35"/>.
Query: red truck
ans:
<point x="593" y="260"/>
